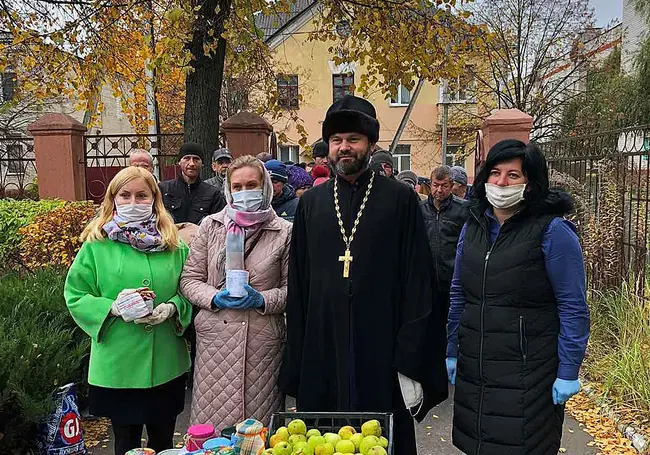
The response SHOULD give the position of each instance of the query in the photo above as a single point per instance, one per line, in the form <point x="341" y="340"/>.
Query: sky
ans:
<point x="606" y="10"/>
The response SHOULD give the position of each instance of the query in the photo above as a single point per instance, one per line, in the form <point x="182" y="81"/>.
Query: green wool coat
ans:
<point x="129" y="355"/>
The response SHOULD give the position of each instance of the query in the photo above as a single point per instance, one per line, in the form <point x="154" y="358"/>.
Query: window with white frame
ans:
<point x="288" y="153"/>
<point x="455" y="155"/>
<point x="342" y="84"/>
<point x="402" y="158"/>
<point x="461" y="89"/>
<point x="403" y="97"/>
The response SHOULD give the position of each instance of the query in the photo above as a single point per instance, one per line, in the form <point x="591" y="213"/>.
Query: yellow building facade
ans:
<point x="310" y="82"/>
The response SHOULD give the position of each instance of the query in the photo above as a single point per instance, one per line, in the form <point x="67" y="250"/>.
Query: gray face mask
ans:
<point x="247" y="200"/>
<point x="504" y="197"/>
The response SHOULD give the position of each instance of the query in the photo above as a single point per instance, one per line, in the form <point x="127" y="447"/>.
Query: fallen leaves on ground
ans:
<point x="606" y="437"/>
<point x="96" y="432"/>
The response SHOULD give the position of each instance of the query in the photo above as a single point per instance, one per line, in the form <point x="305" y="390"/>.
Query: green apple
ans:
<point x="313" y="432"/>
<point x="345" y="446"/>
<point x="297" y="427"/>
<point x="347" y="432"/>
<point x="302" y="448"/>
<point x="367" y="443"/>
<point x="315" y="441"/>
<point x="282" y="448"/>
<point x="356" y="439"/>
<point x="332" y="438"/>
<point x="324" y="449"/>
<point x="383" y="442"/>
<point x="371" y="428"/>
<point x="297" y="438"/>
<point x="268" y="452"/>
<point x="283" y="433"/>
<point x="299" y="445"/>
<point x="377" y="450"/>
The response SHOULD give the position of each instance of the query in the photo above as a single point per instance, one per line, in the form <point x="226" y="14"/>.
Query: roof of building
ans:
<point x="273" y="24"/>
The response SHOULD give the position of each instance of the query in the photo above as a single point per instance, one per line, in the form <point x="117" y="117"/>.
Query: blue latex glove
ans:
<point x="451" y="369"/>
<point x="563" y="390"/>
<point x="252" y="299"/>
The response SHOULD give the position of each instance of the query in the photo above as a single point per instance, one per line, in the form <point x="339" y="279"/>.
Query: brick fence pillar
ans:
<point x="59" y="150"/>
<point x="504" y="124"/>
<point x="246" y="134"/>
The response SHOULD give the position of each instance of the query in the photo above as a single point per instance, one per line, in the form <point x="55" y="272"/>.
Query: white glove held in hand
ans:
<point x="159" y="315"/>
<point x="411" y="393"/>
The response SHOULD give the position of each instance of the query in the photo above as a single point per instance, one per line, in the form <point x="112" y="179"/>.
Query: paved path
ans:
<point x="433" y="434"/>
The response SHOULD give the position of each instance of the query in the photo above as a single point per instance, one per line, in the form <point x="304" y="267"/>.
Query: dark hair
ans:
<point x="264" y="156"/>
<point x="533" y="166"/>
<point x="302" y="165"/>
<point x="441" y="172"/>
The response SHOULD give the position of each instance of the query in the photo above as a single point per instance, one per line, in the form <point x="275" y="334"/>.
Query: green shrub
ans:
<point x="14" y="215"/>
<point x="40" y="349"/>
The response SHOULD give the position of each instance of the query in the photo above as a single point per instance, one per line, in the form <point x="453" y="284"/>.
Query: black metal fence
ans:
<point x="106" y="155"/>
<point x="608" y="175"/>
<point x="17" y="168"/>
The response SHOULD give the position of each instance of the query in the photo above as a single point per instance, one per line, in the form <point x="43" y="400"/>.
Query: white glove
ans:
<point x="411" y="393"/>
<point x="159" y="315"/>
<point x="115" y="311"/>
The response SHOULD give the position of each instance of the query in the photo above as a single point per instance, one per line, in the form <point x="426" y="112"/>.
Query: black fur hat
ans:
<point x="351" y="114"/>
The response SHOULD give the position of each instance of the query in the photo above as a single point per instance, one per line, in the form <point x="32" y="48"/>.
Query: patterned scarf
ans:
<point x="242" y="225"/>
<point x="141" y="235"/>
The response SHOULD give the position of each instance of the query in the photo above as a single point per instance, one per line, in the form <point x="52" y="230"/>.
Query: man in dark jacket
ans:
<point x="221" y="160"/>
<point x="284" y="200"/>
<point x="187" y="198"/>
<point x="444" y="217"/>
<point x="385" y="160"/>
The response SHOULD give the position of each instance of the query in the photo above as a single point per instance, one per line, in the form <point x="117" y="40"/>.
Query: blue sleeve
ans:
<point x="456" y="301"/>
<point x="566" y="271"/>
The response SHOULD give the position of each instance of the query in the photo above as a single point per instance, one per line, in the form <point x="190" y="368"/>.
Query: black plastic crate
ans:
<point x="331" y="422"/>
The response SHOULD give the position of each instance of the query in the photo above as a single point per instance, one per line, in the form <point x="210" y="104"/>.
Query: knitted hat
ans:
<point x="320" y="172"/>
<point x="299" y="178"/>
<point x="190" y="148"/>
<point x="351" y="114"/>
<point x="381" y="156"/>
<point x="278" y="170"/>
<point x="459" y="175"/>
<point x="408" y="177"/>
<point x="320" y="150"/>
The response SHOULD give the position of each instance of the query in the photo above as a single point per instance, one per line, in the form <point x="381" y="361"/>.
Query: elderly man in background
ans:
<point x="460" y="188"/>
<point x="221" y="160"/>
<point x="141" y="158"/>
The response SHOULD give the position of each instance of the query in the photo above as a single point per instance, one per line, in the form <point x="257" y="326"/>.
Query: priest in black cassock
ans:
<point x="364" y="332"/>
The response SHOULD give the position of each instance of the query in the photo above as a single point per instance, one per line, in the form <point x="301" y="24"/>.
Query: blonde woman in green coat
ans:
<point x="132" y="253"/>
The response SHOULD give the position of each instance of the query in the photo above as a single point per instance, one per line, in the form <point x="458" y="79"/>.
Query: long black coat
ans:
<point x="348" y="338"/>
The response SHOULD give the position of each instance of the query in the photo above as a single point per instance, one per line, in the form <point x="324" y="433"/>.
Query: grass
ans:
<point x="618" y="356"/>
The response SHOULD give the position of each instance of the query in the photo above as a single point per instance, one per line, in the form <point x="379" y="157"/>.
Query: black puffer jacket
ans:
<point x="191" y="203"/>
<point x="286" y="203"/>
<point x="508" y="337"/>
<point x="443" y="228"/>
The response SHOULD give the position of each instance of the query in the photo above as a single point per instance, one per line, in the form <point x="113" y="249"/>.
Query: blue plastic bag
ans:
<point x="61" y="434"/>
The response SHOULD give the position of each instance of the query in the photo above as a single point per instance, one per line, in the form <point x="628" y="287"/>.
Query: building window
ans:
<point x="402" y="158"/>
<point x="8" y="86"/>
<point x="403" y="97"/>
<point x="342" y="84"/>
<point x="288" y="153"/>
<point x="462" y="89"/>
<point x="455" y="155"/>
<point x="15" y="165"/>
<point x="288" y="92"/>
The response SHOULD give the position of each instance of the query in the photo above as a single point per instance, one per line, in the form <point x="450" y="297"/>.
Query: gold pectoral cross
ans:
<point x="346" y="266"/>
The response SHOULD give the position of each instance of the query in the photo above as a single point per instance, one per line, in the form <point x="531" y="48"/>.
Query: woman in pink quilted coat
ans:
<point x="239" y="339"/>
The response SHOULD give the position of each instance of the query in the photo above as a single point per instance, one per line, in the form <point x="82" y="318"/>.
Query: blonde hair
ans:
<point x="247" y="161"/>
<point x="164" y="222"/>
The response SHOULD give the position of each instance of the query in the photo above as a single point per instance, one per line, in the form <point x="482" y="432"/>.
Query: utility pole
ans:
<point x="445" y="120"/>
<point x="153" y="116"/>
<point x="405" y="117"/>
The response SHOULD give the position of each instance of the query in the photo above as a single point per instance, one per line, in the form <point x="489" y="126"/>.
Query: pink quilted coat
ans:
<point x="239" y="352"/>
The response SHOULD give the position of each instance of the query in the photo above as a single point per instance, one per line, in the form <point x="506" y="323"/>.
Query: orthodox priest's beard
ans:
<point x="352" y="166"/>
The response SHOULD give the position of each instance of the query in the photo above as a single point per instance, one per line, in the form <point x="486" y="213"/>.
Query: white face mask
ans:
<point x="247" y="200"/>
<point x="134" y="212"/>
<point x="504" y="197"/>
